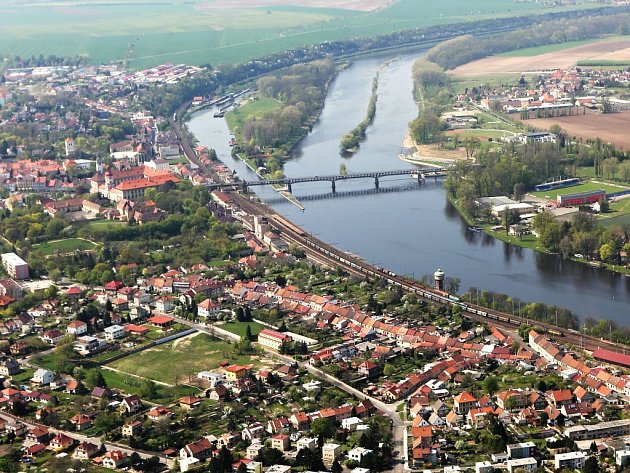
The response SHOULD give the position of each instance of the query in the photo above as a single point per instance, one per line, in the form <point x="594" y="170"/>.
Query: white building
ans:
<point x="114" y="332"/>
<point x="207" y="308"/>
<point x="213" y="379"/>
<point x="570" y="460"/>
<point x="15" y="266"/>
<point x="357" y="454"/>
<point x="527" y="464"/>
<point x="622" y="458"/>
<point x="43" y="376"/>
<point x="306" y="442"/>
<point x="351" y="423"/>
<point x="483" y="467"/>
<point x="70" y="147"/>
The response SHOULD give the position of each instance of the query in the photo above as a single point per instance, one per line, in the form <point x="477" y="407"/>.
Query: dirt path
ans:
<point x="186" y="339"/>
<point x="124" y="373"/>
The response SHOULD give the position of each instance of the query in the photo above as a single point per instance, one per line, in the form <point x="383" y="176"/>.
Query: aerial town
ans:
<point x="157" y="315"/>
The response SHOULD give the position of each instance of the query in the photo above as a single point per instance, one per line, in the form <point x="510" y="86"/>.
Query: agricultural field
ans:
<point x="65" y="246"/>
<point x="254" y="108"/>
<point x="585" y="187"/>
<point x="609" y="127"/>
<point x="147" y="33"/>
<point x="174" y="362"/>
<point x="547" y="57"/>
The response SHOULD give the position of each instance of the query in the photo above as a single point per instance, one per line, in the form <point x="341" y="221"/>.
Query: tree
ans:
<point x="519" y="191"/>
<point x="248" y="333"/>
<point x="607" y="253"/>
<point x="94" y="378"/>
<point x="591" y="465"/>
<point x="491" y="385"/>
<point x="389" y="369"/>
<point x="323" y="427"/>
<point x="336" y="467"/>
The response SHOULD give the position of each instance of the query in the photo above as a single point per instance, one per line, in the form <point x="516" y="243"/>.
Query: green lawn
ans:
<point x="64" y="246"/>
<point x="255" y="108"/>
<point x="587" y="186"/>
<point x="101" y="224"/>
<point x="619" y="213"/>
<point x="179" y="359"/>
<point x="199" y="33"/>
<point x="240" y="328"/>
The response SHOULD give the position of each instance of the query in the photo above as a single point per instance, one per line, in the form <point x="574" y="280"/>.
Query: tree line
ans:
<point x="351" y="140"/>
<point x="458" y="51"/>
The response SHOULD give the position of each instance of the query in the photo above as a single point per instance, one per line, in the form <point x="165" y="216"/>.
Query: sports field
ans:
<point x="148" y="33"/>
<point x="587" y="186"/>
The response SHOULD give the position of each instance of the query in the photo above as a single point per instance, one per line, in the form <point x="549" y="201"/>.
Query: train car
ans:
<point x="555" y="332"/>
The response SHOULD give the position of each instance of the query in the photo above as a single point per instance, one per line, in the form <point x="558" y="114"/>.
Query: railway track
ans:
<point x="324" y="253"/>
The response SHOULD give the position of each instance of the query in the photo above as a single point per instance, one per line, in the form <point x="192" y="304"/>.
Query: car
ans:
<point x="578" y="255"/>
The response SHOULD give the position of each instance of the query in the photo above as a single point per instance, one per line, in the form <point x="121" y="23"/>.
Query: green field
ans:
<point x="101" y="224"/>
<point x="255" y="108"/>
<point x="147" y="34"/>
<point x="587" y="186"/>
<point x="177" y="360"/>
<point x="240" y="328"/>
<point x="132" y="385"/>
<point x="64" y="246"/>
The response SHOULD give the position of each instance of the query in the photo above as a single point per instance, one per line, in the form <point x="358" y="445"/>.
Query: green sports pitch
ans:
<point x="144" y="33"/>
<point x="585" y="187"/>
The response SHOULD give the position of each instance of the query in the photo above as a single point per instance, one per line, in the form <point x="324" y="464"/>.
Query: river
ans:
<point x="409" y="228"/>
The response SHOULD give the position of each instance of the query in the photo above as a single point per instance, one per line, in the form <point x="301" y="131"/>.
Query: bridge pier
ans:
<point x="420" y="178"/>
<point x="244" y="184"/>
<point x="289" y="188"/>
<point x="376" y="183"/>
<point x="333" y="186"/>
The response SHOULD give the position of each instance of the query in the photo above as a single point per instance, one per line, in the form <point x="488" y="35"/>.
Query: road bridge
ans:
<point x="419" y="174"/>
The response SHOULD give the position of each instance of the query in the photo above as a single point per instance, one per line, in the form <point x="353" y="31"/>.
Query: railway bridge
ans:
<point x="420" y="174"/>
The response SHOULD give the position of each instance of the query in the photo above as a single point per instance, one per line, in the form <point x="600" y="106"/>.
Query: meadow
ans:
<point x="174" y="362"/>
<point x="254" y="108"/>
<point x="147" y="34"/>
<point x="65" y="246"/>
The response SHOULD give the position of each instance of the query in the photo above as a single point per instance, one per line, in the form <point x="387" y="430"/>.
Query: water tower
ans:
<point x="438" y="276"/>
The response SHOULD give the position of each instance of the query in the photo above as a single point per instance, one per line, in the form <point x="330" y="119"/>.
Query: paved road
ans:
<point x="399" y="426"/>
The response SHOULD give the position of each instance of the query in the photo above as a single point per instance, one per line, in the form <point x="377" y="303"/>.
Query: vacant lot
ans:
<point x="65" y="246"/>
<point x="617" y="49"/>
<point x="174" y="362"/>
<point x="609" y="127"/>
<point x="587" y="186"/>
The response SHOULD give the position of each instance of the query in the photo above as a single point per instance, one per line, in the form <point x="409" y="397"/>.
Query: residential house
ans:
<point x="9" y="366"/>
<point x="85" y="451"/>
<point x="43" y="377"/>
<point x="330" y="452"/>
<point x="81" y="422"/>
<point x="131" y="429"/>
<point x="77" y="327"/>
<point x="570" y="460"/>
<point x="281" y="441"/>
<point x="114" y="459"/>
<point x="114" y="332"/>
<point x="357" y="454"/>
<point x="61" y="442"/>
<point x="189" y="402"/>
<point x="131" y="404"/>
<point x="201" y="449"/>
<point x="464" y="402"/>
<point x="208" y="309"/>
